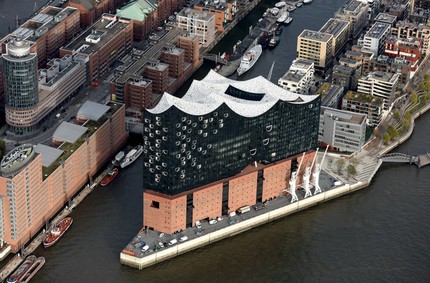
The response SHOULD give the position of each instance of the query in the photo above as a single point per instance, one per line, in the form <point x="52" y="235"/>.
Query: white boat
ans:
<point x="291" y="8"/>
<point x="300" y="4"/>
<point x="307" y="1"/>
<point x="118" y="157"/>
<point x="283" y="17"/>
<point x="288" y="20"/>
<point x="274" y="11"/>
<point x="249" y="58"/>
<point x="223" y="56"/>
<point x="131" y="156"/>
<point x="280" y="4"/>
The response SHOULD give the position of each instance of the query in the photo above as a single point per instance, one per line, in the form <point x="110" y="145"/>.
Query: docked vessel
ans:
<point x="118" y="158"/>
<point x="274" y="11"/>
<point x="57" y="232"/>
<point x="291" y="8"/>
<point x="109" y="177"/>
<point x="300" y="4"/>
<point x="264" y="40"/>
<point x="249" y="58"/>
<point x="288" y="20"/>
<point x="131" y="156"/>
<point x="274" y="41"/>
<point x="27" y="269"/>
<point x="307" y="1"/>
<point x="283" y="17"/>
<point x="280" y="4"/>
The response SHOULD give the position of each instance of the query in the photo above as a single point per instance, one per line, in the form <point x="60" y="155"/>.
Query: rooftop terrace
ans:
<point x="316" y="35"/>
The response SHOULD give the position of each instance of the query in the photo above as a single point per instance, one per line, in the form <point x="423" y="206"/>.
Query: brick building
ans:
<point x="408" y="49"/>
<point x="224" y="12"/>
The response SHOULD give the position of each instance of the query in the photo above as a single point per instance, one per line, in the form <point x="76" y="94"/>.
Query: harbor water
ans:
<point x="379" y="234"/>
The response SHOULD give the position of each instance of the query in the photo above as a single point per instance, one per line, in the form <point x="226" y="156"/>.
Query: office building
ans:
<point x="224" y="12"/>
<point x="92" y="10"/>
<point x="398" y="66"/>
<point x="373" y="41"/>
<point x="46" y="32"/>
<point x="366" y="104"/>
<point x="373" y="7"/>
<point x="380" y="84"/>
<point x="340" y="31"/>
<point x="386" y="19"/>
<point x="342" y="130"/>
<point x="143" y="14"/>
<point x="37" y="181"/>
<point x="316" y="47"/>
<point x="354" y="12"/>
<point x="400" y="10"/>
<point x="345" y="76"/>
<point x="102" y="44"/>
<point x="203" y="155"/>
<point x="420" y="16"/>
<point x="299" y="78"/>
<point x="199" y="23"/>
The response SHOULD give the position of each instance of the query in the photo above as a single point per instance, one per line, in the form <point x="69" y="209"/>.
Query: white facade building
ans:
<point x="380" y="84"/>
<point x="199" y="23"/>
<point x="344" y="130"/>
<point x="374" y="39"/>
<point x="299" y="78"/>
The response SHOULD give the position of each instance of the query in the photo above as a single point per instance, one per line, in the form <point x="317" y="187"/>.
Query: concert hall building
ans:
<point x="224" y="145"/>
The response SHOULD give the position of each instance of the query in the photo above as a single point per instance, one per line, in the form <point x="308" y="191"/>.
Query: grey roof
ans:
<point x="92" y="110"/>
<point x="49" y="154"/>
<point x="69" y="132"/>
<point x="86" y="3"/>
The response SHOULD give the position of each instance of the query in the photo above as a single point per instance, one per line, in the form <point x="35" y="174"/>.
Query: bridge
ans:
<point x="420" y="160"/>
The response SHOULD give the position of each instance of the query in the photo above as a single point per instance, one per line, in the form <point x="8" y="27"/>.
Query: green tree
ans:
<point x="351" y="171"/>
<point x="386" y="138"/>
<point x="408" y="116"/>
<point x="354" y="161"/>
<point x="427" y="77"/>
<point x="405" y="124"/>
<point x="394" y="133"/>
<point x="414" y="97"/>
<point x="340" y="163"/>
<point x="397" y="115"/>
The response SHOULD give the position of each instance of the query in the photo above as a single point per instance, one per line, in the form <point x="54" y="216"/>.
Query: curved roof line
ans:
<point x="208" y="94"/>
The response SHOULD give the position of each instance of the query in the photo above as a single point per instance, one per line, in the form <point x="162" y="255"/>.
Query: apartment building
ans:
<point x="407" y="30"/>
<point x="316" y="47"/>
<point x="380" y="84"/>
<point x="340" y="31"/>
<point x="345" y="76"/>
<point x="299" y="78"/>
<point x="365" y="104"/>
<point x="409" y="49"/>
<point x="224" y="12"/>
<point x="342" y="130"/>
<point x="373" y="41"/>
<point x="331" y="95"/>
<point x="386" y="19"/>
<point x="354" y="12"/>
<point x="199" y="23"/>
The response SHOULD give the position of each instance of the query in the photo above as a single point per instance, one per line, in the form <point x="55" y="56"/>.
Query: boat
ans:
<point x="300" y="4"/>
<point x="288" y="20"/>
<point x="40" y="261"/>
<point x="307" y="1"/>
<point x="222" y="56"/>
<point x="274" y="11"/>
<point x="120" y="155"/>
<point x="109" y="177"/>
<point x="283" y="17"/>
<point x="278" y="29"/>
<point x="131" y="156"/>
<point x="249" y="58"/>
<point x="274" y="41"/>
<point x="291" y="8"/>
<point x="55" y="233"/>
<point x="280" y="4"/>
<point x="22" y="269"/>
<point x="264" y="40"/>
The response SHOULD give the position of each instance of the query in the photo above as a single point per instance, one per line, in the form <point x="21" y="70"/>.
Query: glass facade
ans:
<point x="183" y="151"/>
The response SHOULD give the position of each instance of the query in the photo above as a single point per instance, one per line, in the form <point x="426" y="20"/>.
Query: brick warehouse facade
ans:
<point x="224" y="145"/>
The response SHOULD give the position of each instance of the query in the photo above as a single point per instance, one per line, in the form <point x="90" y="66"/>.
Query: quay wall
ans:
<point x="242" y="226"/>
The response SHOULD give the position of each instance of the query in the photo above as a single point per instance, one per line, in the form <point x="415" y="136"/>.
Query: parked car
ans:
<point x="173" y="242"/>
<point x="183" y="239"/>
<point x="198" y="224"/>
<point x="161" y="245"/>
<point x="161" y="235"/>
<point x="145" y="248"/>
<point x="219" y="219"/>
<point x="213" y="221"/>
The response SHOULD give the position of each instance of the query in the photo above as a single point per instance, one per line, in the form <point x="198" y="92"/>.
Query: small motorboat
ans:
<point x="109" y="177"/>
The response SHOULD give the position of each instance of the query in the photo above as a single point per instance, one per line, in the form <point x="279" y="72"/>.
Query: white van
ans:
<point x="244" y="209"/>
<point x="183" y="239"/>
<point x="173" y="242"/>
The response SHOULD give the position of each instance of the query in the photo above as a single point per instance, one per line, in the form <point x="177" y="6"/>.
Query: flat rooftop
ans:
<point x="315" y="35"/>
<point x="381" y="76"/>
<point x="378" y="30"/>
<point x="363" y="98"/>
<point x="340" y="69"/>
<point x="386" y="18"/>
<point x="69" y="132"/>
<point x="213" y="4"/>
<point x="343" y="115"/>
<point x="96" y="36"/>
<point x="352" y="7"/>
<point x="196" y="14"/>
<point x="91" y="110"/>
<point x="49" y="154"/>
<point x="334" y="26"/>
<point x="329" y="92"/>
<point x="348" y="61"/>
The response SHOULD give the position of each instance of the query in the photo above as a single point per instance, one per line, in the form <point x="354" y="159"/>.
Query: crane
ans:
<point x="292" y="182"/>
<point x="317" y="174"/>
<point x="307" y="176"/>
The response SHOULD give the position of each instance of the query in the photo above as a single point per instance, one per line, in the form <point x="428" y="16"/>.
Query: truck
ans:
<point x="244" y="209"/>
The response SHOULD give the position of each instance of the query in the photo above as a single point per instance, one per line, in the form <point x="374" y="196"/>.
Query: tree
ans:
<point x="414" y="97"/>
<point x="351" y="171"/>
<point x="427" y="77"/>
<point x="394" y="133"/>
<point x="386" y="138"/>
<point x="340" y="163"/>
<point x="397" y="115"/>
<point x="354" y="161"/>
<point x="408" y="116"/>
<point x="405" y="124"/>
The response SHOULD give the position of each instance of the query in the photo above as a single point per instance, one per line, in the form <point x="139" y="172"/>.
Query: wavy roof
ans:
<point x="207" y="95"/>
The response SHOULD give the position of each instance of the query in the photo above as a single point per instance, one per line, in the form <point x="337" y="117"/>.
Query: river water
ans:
<point x="379" y="234"/>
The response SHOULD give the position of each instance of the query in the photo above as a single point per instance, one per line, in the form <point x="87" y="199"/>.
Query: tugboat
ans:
<point x="55" y="234"/>
<point x="131" y="156"/>
<point x="27" y="269"/>
<point x="109" y="177"/>
<point x="274" y="41"/>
